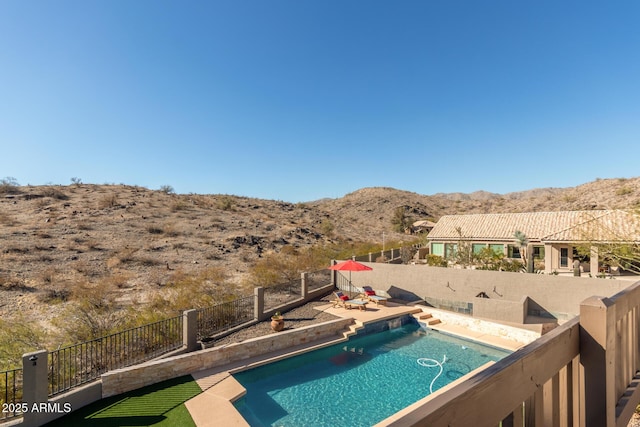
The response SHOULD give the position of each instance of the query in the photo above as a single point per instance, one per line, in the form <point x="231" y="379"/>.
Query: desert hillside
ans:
<point x="55" y="237"/>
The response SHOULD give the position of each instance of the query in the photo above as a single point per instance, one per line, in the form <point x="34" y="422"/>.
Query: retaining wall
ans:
<point x="132" y="378"/>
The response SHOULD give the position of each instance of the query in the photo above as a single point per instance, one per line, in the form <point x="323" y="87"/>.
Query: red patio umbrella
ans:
<point x="350" y="265"/>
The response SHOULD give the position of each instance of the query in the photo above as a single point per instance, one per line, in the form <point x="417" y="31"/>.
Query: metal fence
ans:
<point x="318" y="279"/>
<point x="344" y="284"/>
<point x="277" y="295"/>
<point x="84" y="362"/>
<point x="10" y="393"/>
<point x="219" y="317"/>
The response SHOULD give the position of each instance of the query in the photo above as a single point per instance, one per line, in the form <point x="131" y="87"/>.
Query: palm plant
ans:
<point x="522" y="241"/>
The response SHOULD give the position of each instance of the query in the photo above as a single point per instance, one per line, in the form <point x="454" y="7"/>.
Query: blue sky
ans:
<point x="299" y="100"/>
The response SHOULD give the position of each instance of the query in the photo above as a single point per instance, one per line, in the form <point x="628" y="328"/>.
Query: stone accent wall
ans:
<point x="132" y="378"/>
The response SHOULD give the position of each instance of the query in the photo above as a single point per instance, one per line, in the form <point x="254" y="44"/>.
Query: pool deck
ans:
<point x="214" y="406"/>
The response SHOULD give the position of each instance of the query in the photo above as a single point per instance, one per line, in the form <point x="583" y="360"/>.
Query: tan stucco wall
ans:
<point x="556" y="294"/>
<point x="132" y="378"/>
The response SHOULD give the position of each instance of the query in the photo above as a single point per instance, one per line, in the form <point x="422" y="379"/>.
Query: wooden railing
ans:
<point x="583" y="373"/>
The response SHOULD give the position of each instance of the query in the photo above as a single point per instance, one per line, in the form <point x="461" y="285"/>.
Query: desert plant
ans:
<point x="54" y="193"/>
<point x="76" y="181"/>
<point x="155" y="229"/>
<point x="18" y="336"/>
<point x="8" y="185"/>
<point x="400" y="220"/>
<point x="624" y="191"/>
<point x="167" y="189"/>
<point x="226" y="203"/>
<point x="108" y="201"/>
<point x="436" y="261"/>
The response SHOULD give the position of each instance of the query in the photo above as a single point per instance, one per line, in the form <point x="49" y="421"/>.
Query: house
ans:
<point x="423" y="226"/>
<point x="553" y="237"/>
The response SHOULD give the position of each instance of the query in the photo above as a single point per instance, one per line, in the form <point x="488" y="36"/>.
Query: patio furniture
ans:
<point x="370" y="295"/>
<point x="344" y="301"/>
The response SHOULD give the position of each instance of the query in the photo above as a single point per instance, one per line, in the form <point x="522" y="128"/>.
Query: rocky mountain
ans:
<point x="53" y="237"/>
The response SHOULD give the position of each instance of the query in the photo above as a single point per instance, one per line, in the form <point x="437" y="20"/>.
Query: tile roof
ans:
<point x="600" y="225"/>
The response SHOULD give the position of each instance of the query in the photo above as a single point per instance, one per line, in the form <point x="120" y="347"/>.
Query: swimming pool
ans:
<point x="360" y="382"/>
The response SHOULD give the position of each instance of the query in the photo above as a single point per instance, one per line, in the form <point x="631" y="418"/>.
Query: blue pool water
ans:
<point x="358" y="383"/>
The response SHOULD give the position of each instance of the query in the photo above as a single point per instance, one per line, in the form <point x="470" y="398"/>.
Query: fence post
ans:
<point x="597" y="361"/>
<point x="305" y="287"/>
<point x="190" y="329"/>
<point x="370" y="257"/>
<point x="333" y="273"/>
<point x="35" y="385"/>
<point x="258" y="306"/>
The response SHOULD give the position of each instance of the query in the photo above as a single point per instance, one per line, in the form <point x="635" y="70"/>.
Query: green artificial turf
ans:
<point x="160" y="404"/>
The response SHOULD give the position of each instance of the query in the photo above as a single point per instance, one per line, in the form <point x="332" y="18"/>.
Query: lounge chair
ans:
<point x="370" y="294"/>
<point x="344" y="301"/>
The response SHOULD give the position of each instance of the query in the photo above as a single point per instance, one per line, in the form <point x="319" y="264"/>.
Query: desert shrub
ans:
<point x="226" y="203"/>
<point x="185" y="290"/>
<point x="108" y="201"/>
<point x="327" y="227"/>
<point x="624" y="191"/>
<point x="18" y="336"/>
<point x="54" y="193"/>
<point x="167" y="189"/>
<point x="9" y="185"/>
<point x="436" y="261"/>
<point x="407" y="253"/>
<point x="76" y="181"/>
<point x="93" y="313"/>
<point x="400" y="220"/>
<point x="511" y="265"/>
<point x="154" y="229"/>
<point x="55" y="295"/>
<point x="179" y="205"/>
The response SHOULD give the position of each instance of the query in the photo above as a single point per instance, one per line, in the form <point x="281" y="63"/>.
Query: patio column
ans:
<point x="548" y="258"/>
<point x="35" y="385"/>
<point x="594" y="264"/>
<point x="190" y="329"/>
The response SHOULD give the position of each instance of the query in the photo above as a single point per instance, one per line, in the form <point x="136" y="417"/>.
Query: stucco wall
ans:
<point x="559" y="295"/>
<point x="132" y="378"/>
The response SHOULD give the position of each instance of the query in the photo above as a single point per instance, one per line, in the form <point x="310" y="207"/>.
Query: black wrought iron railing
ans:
<point x="282" y="293"/>
<point x="220" y="317"/>
<point x="11" y="393"/>
<point x="84" y="362"/>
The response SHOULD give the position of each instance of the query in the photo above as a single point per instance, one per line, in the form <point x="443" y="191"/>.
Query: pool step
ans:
<point x="352" y="329"/>
<point x="428" y="319"/>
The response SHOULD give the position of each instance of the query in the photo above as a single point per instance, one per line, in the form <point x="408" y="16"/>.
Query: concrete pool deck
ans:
<point x="214" y="406"/>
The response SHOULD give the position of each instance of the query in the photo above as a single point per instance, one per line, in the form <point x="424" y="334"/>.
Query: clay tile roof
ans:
<point x="540" y="226"/>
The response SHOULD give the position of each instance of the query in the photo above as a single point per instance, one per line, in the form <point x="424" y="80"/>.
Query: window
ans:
<point x="478" y="247"/>
<point x="538" y="252"/>
<point x="514" y="251"/>
<point x="450" y="250"/>
<point x="564" y="257"/>
<point x="437" y="249"/>
<point x="497" y="248"/>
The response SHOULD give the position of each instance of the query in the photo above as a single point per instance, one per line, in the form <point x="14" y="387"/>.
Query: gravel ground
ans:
<point x="304" y="315"/>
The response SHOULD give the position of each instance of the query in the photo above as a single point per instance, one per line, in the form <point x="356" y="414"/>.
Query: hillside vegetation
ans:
<point x="114" y="247"/>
